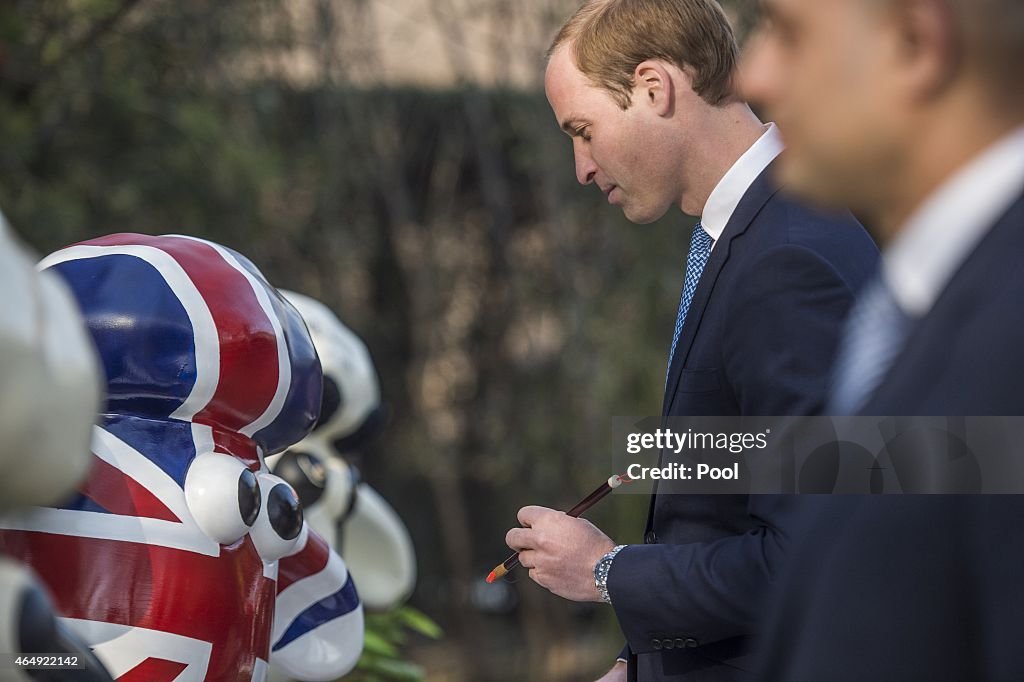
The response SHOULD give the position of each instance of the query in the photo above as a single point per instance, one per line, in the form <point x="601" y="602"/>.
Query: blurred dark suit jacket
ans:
<point x="922" y="587"/>
<point x="759" y="339"/>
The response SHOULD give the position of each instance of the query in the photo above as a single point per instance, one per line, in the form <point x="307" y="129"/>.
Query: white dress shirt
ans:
<point x="941" y="234"/>
<point x="727" y="194"/>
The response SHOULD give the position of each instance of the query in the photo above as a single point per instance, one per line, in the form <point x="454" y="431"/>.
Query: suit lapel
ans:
<point x="758" y="194"/>
<point x="750" y="205"/>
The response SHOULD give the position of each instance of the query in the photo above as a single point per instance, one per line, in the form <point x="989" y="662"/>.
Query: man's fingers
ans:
<point x="528" y="515"/>
<point x="533" y="576"/>
<point x="519" y="539"/>
<point x="527" y="558"/>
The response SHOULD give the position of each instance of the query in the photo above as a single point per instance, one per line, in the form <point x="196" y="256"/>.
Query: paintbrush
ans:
<point x="586" y="503"/>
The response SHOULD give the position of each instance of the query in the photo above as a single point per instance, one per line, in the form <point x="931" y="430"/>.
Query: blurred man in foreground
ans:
<point x="911" y="112"/>
<point x="644" y="89"/>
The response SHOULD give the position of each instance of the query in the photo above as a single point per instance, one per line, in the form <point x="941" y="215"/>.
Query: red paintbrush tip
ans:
<point x="502" y="569"/>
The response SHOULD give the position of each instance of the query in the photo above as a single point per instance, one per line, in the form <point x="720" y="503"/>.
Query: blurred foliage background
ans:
<point x="397" y="160"/>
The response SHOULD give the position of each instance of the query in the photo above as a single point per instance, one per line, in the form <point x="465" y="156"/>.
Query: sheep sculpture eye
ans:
<point x="223" y="496"/>
<point x="277" y="529"/>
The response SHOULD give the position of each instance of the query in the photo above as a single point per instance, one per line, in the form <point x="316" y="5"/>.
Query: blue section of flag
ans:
<point x="168" y="444"/>
<point x="150" y="371"/>
<point x="336" y="605"/>
<point x="83" y="503"/>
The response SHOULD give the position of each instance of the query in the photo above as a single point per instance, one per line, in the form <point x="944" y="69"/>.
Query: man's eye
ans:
<point x="782" y="32"/>
<point x="584" y="133"/>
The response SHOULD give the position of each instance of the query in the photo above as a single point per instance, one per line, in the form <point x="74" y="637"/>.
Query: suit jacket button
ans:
<point x="656" y="643"/>
<point x="667" y="643"/>
<point x="680" y="643"/>
<point x="691" y="642"/>
<point x="651" y="538"/>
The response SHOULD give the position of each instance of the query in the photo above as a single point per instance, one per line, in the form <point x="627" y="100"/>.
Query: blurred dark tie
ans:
<point x="875" y="333"/>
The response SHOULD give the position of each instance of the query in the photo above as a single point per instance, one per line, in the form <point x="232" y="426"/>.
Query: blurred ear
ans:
<point x="655" y="87"/>
<point x="928" y="47"/>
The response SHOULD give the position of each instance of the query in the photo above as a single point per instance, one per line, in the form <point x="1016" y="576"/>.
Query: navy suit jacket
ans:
<point x="759" y="339"/>
<point x="922" y="587"/>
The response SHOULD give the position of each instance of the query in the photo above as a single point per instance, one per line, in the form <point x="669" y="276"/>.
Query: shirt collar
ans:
<point x="943" y="231"/>
<point x="734" y="184"/>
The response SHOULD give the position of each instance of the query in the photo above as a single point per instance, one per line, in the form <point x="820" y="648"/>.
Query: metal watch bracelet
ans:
<point x="601" y="569"/>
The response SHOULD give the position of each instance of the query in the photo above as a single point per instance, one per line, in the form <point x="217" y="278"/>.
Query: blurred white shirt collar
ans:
<point x="940" y="235"/>
<point x="734" y="184"/>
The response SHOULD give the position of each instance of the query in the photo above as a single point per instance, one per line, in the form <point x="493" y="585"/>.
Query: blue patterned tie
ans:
<point x="876" y="331"/>
<point x="700" y="249"/>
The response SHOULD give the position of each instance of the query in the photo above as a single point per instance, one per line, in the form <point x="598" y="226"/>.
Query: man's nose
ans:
<point x="586" y="169"/>
<point x="757" y="78"/>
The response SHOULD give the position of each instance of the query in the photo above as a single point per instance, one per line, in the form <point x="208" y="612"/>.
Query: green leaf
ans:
<point x="420" y="622"/>
<point x="376" y="644"/>
<point x="400" y="671"/>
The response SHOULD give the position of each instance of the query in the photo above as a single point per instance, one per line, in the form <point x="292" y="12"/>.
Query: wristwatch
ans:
<point x="601" y="568"/>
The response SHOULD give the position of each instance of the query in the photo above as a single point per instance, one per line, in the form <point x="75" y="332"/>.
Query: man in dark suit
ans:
<point x="925" y="138"/>
<point x="644" y="90"/>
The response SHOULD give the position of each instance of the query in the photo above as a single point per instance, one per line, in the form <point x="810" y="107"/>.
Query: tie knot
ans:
<point x="878" y="304"/>
<point x="700" y="239"/>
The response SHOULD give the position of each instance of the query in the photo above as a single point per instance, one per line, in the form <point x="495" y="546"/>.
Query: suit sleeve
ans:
<point x="785" y="319"/>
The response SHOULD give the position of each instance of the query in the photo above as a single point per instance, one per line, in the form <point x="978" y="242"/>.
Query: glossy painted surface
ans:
<point x="190" y="330"/>
<point x="203" y="359"/>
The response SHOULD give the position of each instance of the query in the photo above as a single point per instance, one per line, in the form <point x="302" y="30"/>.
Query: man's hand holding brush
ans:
<point x="560" y="551"/>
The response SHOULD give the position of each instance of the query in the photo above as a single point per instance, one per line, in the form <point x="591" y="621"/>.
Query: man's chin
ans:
<point x="642" y="217"/>
<point x="810" y="183"/>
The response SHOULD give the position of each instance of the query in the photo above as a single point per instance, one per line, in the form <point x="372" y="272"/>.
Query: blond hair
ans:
<point x="609" y="38"/>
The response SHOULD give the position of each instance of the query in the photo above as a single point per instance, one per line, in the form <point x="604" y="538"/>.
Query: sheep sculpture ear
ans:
<point x="379" y="551"/>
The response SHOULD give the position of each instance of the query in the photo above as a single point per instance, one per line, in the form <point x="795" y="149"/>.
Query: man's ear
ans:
<point x="929" y="46"/>
<point x="654" y="87"/>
